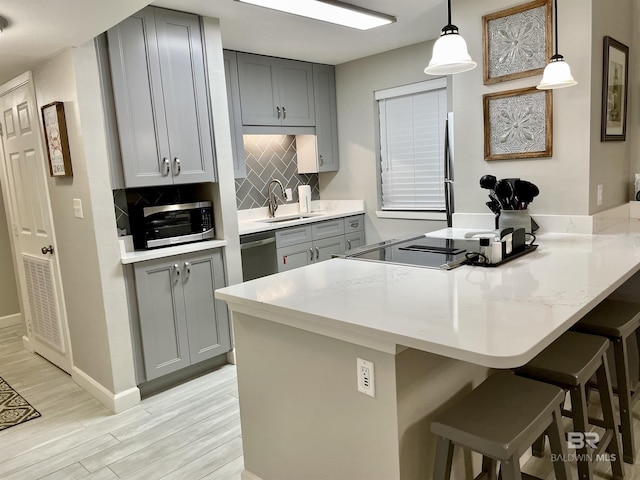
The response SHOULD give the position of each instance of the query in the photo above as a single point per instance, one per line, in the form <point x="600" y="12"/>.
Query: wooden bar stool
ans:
<point x="569" y="363"/>
<point x="618" y="320"/>
<point x="500" y="419"/>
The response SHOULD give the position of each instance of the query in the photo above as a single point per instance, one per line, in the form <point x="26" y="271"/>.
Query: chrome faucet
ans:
<point x="273" y="200"/>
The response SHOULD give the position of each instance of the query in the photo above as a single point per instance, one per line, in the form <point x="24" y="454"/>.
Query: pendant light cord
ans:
<point x="556" y="23"/>
<point x="450" y="12"/>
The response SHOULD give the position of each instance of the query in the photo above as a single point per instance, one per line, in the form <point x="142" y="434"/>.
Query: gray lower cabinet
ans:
<point x="306" y="244"/>
<point x="181" y="323"/>
<point x="275" y="91"/>
<point x="161" y="100"/>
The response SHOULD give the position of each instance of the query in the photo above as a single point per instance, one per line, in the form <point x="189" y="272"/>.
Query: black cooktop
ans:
<point x="421" y="251"/>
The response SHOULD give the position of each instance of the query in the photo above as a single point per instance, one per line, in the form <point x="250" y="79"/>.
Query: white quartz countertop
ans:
<point x="497" y="317"/>
<point x="252" y="221"/>
<point x="128" y="255"/>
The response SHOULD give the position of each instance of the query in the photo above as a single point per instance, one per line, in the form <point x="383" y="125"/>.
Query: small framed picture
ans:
<point x="518" y="124"/>
<point x="55" y="132"/>
<point x="615" y="78"/>
<point x="516" y="41"/>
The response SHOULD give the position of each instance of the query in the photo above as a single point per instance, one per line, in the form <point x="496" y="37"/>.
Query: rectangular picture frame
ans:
<point x="57" y="140"/>
<point x="615" y="81"/>
<point x="516" y="42"/>
<point x="518" y="124"/>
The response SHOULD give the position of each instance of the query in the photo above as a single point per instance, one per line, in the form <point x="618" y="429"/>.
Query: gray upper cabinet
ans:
<point x="324" y="83"/>
<point x="275" y="91"/>
<point x="235" y="116"/>
<point x="181" y="323"/>
<point x="160" y="93"/>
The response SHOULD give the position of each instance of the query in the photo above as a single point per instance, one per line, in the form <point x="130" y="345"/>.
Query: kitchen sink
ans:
<point x="289" y="218"/>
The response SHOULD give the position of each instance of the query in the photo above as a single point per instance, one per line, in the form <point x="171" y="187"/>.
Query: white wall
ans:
<point x="88" y="251"/>
<point x="563" y="179"/>
<point x="9" y="304"/>
<point x="568" y="179"/>
<point x="356" y="83"/>
<point x="633" y="127"/>
<point x="610" y="160"/>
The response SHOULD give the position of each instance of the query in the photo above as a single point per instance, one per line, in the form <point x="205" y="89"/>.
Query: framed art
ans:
<point x="518" y="124"/>
<point x="55" y="132"/>
<point x="615" y="78"/>
<point x="516" y="42"/>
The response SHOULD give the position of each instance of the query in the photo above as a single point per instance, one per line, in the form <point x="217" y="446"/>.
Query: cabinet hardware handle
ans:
<point x="278" y="110"/>
<point x="348" y="244"/>
<point x="178" y="166"/>
<point x="187" y="271"/>
<point x="311" y="252"/>
<point x="317" y="254"/>
<point x="176" y="273"/>
<point x="284" y="113"/>
<point x="354" y="224"/>
<point x="166" y="166"/>
<point x="321" y="160"/>
<point x="46" y="250"/>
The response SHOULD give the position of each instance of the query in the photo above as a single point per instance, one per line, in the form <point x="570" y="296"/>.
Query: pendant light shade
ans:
<point x="450" y="54"/>
<point x="557" y="73"/>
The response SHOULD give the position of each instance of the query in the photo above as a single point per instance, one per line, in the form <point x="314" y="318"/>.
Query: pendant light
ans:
<point x="3" y="24"/>
<point x="557" y="73"/>
<point x="450" y="53"/>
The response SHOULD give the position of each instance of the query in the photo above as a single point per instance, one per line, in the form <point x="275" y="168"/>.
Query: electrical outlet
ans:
<point x="366" y="377"/>
<point x="288" y="194"/>
<point x="600" y="194"/>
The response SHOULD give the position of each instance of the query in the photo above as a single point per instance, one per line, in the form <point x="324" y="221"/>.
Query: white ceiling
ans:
<point x="38" y="29"/>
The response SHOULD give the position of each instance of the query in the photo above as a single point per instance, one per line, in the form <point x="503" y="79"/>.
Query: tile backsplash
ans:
<point x="271" y="157"/>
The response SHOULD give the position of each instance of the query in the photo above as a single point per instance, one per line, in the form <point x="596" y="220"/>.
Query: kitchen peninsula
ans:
<point x="431" y="335"/>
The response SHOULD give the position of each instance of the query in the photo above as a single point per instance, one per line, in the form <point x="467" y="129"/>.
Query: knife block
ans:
<point x="515" y="219"/>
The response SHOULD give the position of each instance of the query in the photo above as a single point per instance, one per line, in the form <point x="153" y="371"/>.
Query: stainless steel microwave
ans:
<point x="165" y="225"/>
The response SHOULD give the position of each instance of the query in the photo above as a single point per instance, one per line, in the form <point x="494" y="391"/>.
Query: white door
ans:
<point x="24" y="179"/>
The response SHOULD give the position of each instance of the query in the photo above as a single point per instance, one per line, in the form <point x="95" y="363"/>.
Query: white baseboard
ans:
<point x="11" y="320"/>
<point x="247" y="475"/>
<point x="117" y="402"/>
<point x="26" y="343"/>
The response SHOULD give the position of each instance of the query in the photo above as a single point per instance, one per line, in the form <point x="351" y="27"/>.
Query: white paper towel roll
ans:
<point x="304" y="198"/>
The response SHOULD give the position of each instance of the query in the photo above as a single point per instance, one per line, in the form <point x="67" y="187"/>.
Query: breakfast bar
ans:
<point x="431" y="335"/>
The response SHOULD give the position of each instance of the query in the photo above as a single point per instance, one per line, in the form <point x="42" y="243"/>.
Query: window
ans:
<point x="412" y="131"/>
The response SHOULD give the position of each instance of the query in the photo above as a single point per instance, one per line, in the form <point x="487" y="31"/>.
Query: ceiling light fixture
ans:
<point x="450" y="54"/>
<point x="3" y="24"/>
<point x="330" y="11"/>
<point x="557" y="73"/>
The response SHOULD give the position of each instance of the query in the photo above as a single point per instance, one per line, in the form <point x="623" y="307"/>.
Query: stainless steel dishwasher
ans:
<point x="259" y="257"/>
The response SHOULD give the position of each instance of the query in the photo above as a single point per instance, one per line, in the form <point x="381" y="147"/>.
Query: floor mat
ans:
<point x="14" y="409"/>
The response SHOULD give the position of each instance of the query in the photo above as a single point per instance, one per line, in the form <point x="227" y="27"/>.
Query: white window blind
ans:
<point x="412" y="128"/>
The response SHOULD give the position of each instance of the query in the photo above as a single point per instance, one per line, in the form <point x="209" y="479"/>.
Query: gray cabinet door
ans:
<point x="258" y="82"/>
<point x="162" y="107"/>
<point x="235" y="118"/>
<point x="355" y="239"/>
<point x="296" y="93"/>
<point x="295" y="256"/>
<point x="162" y="315"/>
<point x="185" y="96"/>
<point x="324" y="84"/>
<point x="328" y="228"/>
<point x="275" y="91"/>
<point x="325" y="248"/>
<point x="142" y="126"/>
<point x="207" y="318"/>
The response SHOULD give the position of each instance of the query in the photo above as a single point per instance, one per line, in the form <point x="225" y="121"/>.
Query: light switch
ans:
<point x="77" y="208"/>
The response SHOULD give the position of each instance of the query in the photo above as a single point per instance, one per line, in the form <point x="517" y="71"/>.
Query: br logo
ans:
<point x="580" y="440"/>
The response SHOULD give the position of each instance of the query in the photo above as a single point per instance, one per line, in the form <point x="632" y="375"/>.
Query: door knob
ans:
<point x="46" y="250"/>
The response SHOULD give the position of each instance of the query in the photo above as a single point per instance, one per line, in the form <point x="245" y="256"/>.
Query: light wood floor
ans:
<point x="190" y="432"/>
